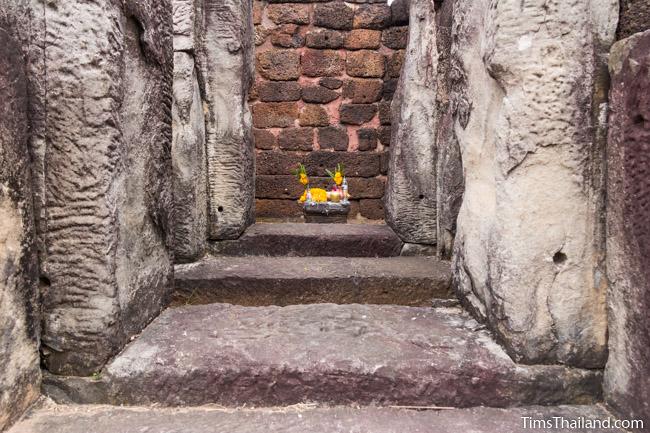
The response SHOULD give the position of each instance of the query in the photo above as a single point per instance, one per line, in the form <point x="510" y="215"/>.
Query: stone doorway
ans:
<point x="325" y="75"/>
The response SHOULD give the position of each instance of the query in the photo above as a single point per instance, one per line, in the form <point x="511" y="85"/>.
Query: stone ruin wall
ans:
<point x="325" y="76"/>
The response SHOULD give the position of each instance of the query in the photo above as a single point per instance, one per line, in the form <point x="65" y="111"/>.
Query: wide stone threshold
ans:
<point x="308" y="240"/>
<point x="300" y="419"/>
<point x="326" y="354"/>
<point x="258" y="281"/>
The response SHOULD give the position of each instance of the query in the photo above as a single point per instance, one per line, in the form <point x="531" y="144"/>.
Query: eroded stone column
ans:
<point x="529" y="250"/>
<point x="628" y="235"/>
<point x="19" y="319"/>
<point x="410" y="199"/>
<point x="188" y="145"/>
<point x="225" y="62"/>
<point x="107" y="197"/>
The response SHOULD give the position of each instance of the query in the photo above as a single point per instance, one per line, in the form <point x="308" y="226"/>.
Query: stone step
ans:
<point x="107" y="419"/>
<point x="257" y="280"/>
<point x="322" y="353"/>
<point x="303" y="240"/>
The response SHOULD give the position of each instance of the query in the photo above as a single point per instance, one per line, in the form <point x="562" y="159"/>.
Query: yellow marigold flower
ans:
<point x="317" y="194"/>
<point x="304" y="179"/>
<point x="338" y="178"/>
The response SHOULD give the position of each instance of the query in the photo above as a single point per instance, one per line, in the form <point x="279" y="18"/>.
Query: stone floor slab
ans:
<point x="257" y="281"/>
<point x="306" y="240"/>
<point x="107" y="419"/>
<point x="330" y="354"/>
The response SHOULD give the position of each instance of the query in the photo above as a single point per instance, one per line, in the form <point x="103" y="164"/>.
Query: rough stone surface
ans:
<point x="226" y="63"/>
<point x="365" y="64"/>
<point x="19" y="318"/>
<point x="396" y="37"/>
<point x="333" y="137"/>
<point x="264" y="139"/>
<point x="528" y="254"/>
<point x="357" y="114"/>
<point x="278" y="65"/>
<point x="296" y="139"/>
<point x="363" y="91"/>
<point x="628" y="238"/>
<point x="307" y="240"/>
<point x="361" y="39"/>
<point x="449" y="167"/>
<point x="372" y="17"/>
<point x="324" y="38"/>
<point x="333" y="354"/>
<point x="367" y="139"/>
<point x="284" y="187"/>
<point x="288" y="13"/>
<point x="255" y="281"/>
<point x="189" y="162"/>
<point x="335" y="15"/>
<point x="313" y="115"/>
<point x="274" y="114"/>
<point x="634" y="17"/>
<point x="317" y="63"/>
<point x="104" y="177"/>
<point x="318" y="94"/>
<point x="279" y="91"/>
<point x="411" y="190"/>
<point x="105" y="419"/>
<point x="186" y="24"/>
<point x="356" y="164"/>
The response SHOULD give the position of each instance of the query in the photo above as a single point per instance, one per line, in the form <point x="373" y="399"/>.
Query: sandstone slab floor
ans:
<point x="107" y="419"/>
<point x="327" y="354"/>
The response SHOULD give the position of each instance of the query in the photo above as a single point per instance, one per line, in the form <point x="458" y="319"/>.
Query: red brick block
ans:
<point x="279" y="65"/>
<point x="335" y="15"/>
<point x="366" y="64"/>
<point x="318" y="94"/>
<point x="288" y="13"/>
<point x="357" y="114"/>
<point x="263" y="139"/>
<point x="333" y="137"/>
<point x="274" y="114"/>
<point x="363" y="39"/>
<point x="395" y="37"/>
<point x="325" y="63"/>
<point x="313" y="115"/>
<point x="296" y="139"/>
<point x="278" y="91"/>
<point x="363" y="91"/>
<point x="375" y="17"/>
<point x="323" y="38"/>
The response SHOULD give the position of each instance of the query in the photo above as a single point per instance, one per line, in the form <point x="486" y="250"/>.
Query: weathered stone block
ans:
<point x="367" y="138"/>
<point x="189" y="162"/>
<point x="274" y="114"/>
<point x="20" y="376"/>
<point x="106" y="195"/>
<point x="384" y="162"/>
<point x="287" y="36"/>
<point x="534" y="156"/>
<point x="288" y="13"/>
<point x="394" y="65"/>
<point x="357" y="164"/>
<point x="278" y="91"/>
<point x="264" y="139"/>
<point x="258" y="11"/>
<point x="384" y="113"/>
<point x="260" y="35"/>
<point x="634" y="17"/>
<point x="390" y="86"/>
<point x="296" y="139"/>
<point x="372" y="208"/>
<point x="371" y="16"/>
<point x="399" y="12"/>
<point x="324" y="38"/>
<point x="280" y="65"/>
<point x="385" y="133"/>
<point x="363" y="39"/>
<point x="628" y="237"/>
<point x="317" y="63"/>
<point x="395" y="37"/>
<point x="411" y="189"/>
<point x="363" y="91"/>
<point x="336" y="15"/>
<point x="274" y="208"/>
<point x="365" y="64"/>
<point x="313" y="115"/>
<point x="319" y="94"/>
<point x="333" y="137"/>
<point x="357" y="114"/>
<point x="186" y="24"/>
<point x="330" y="83"/>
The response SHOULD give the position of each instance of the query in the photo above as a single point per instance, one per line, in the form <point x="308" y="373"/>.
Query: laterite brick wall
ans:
<point x="326" y="73"/>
